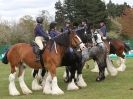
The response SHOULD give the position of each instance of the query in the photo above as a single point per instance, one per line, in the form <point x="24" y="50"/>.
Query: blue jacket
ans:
<point x="40" y="32"/>
<point x="65" y="29"/>
<point x="53" y="33"/>
<point x="104" y="30"/>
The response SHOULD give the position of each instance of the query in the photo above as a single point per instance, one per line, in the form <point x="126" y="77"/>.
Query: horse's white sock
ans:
<point x="23" y="86"/>
<point x="12" y="88"/>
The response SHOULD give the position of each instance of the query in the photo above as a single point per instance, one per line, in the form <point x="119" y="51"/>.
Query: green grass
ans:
<point x="111" y="88"/>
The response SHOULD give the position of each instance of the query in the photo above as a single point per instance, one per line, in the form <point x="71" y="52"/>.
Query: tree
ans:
<point x="46" y="18"/>
<point x="4" y="32"/>
<point x="127" y="23"/>
<point x="59" y="14"/>
<point x="111" y="9"/>
<point x="70" y="9"/>
<point x="93" y="10"/>
<point x="23" y="31"/>
<point x="116" y="10"/>
<point x="27" y="24"/>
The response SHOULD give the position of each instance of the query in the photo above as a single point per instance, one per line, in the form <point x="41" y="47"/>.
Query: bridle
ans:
<point x="78" y="45"/>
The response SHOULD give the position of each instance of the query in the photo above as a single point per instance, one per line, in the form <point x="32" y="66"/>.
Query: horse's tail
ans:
<point x="4" y="59"/>
<point x="126" y="48"/>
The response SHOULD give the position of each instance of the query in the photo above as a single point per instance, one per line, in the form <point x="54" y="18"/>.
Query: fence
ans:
<point x="3" y="48"/>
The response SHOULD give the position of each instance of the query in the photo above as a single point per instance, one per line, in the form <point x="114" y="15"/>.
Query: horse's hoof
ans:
<point x="28" y="92"/>
<point x="72" y="86"/>
<point x="15" y="94"/>
<point x="121" y="69"/>
<point x="57" y="92"/>
<point x="98" y="79"/>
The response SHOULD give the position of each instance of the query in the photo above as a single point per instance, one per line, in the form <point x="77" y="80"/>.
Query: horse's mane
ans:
<point x="63" y="39"/>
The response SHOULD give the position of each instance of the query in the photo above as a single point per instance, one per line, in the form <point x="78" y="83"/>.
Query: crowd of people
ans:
<point x="42" y="36"/>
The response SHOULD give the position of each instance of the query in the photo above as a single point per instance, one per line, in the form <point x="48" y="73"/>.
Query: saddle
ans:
<point x="36" y="47"/>
<point x="38" y="52"/>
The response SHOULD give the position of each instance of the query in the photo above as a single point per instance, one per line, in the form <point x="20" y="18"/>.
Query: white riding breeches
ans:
<point x="39" y="41"/>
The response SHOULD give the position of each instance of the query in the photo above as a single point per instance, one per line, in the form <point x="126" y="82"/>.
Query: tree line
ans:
<point x="92" y="10"/>
<point x="73" y="10"/>
<point x="21" y="31"/>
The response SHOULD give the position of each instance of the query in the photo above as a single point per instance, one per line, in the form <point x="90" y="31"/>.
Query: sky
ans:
<point x="12" y="10"/>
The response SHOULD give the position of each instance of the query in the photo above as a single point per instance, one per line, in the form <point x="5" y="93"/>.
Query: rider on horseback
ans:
<point x="40" y="36"/>
<point x="84" y="24"/>
<point x="103" y="30"/>
<point x="52" y="30"/>
<point x="67" y="26"/>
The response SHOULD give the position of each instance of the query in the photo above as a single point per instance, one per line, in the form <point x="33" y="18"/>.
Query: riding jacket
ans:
<point x="53" y="33"/>
<point x="104" y="31"/>
<point x="40" y="32"/>
<point x="65" y="29"/>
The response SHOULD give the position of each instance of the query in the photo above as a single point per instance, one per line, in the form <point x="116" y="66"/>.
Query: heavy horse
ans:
<point x="74" y="61"/>
<point x="118" y="47"/>
<point x="52" y="56"/>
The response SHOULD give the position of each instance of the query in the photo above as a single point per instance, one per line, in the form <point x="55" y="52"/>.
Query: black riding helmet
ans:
<point x="52" y="25"/>
<point x="39" y="20"/>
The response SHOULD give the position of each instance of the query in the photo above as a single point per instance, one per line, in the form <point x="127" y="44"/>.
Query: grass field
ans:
<point x="111" y="88"/>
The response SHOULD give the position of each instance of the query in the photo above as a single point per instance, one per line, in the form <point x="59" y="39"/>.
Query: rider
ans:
<point x="84" y="24"/>
<point x="103" y="30"/>
<point x="75" y="25"/>
<point x="67" y="26"/>
<point x="40" y="36"/>
<point x="52" y="30"/>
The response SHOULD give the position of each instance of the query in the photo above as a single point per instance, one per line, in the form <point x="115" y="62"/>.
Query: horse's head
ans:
<point x="75" y="41"/>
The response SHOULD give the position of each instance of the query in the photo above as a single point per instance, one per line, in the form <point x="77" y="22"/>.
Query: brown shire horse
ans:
<point x="23" y="53"/>
<point x="118" y="47"/>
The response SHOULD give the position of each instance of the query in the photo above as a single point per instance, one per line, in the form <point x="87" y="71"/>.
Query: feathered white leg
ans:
<point x="35" y="85"/>
<point x="23" y="86"/>
<point x="12" y="88"/>
<point x="44" y="80"/>
<point x="55" y="88"/>
<point x="47" y="87"/>
<point x="81" y="82"/>
<point x="118" y="61"/>
<point x="110" y="67"/>
<point x="72" y="85"/>
<point x="122" y="65"/>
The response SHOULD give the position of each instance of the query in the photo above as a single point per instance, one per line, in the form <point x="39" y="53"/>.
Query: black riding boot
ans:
<point x="38" y="55"/>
